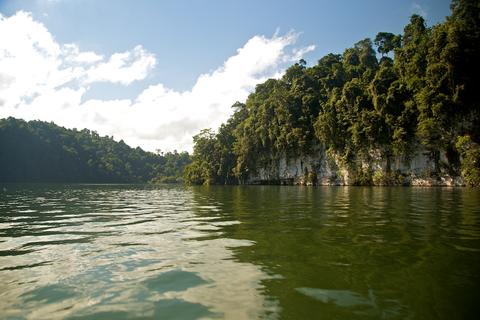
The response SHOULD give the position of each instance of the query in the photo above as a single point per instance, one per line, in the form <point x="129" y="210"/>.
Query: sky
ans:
<point x="154" y="73"/>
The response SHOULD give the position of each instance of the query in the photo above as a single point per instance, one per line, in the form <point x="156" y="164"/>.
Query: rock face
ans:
<point x="322" y="168"/>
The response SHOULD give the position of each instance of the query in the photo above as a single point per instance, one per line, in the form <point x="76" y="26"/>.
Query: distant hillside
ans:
<point x="38" y="151"/>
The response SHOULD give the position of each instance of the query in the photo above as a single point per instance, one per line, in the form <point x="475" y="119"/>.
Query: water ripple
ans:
<point x="116" y="251"/>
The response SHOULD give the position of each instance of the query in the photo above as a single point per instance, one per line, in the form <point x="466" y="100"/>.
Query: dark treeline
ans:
<point x="394" y="95"/>
<point x="38" y="151"/>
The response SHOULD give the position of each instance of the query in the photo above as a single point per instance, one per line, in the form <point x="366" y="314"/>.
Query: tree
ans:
<point x="421" y="97"/>
<point x="37" y="151"/>
<point x="387" y="42"/>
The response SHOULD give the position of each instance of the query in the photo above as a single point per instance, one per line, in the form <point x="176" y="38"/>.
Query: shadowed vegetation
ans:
<point x="38" y="151"/>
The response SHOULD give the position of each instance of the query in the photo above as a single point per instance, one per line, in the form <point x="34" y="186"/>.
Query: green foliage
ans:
<point x="214" y="160"/>
<point x="37" y="151"/>
<point x="172" y="167"/>
<point x="363" y="178"/>
<point x="390" y="178"/>
<point x="312" y="178"/>
<point x="387" y="42"/>
<point x="470" y="152"/>
<point x="421" y="93"/>
<point x="202" y="169"/>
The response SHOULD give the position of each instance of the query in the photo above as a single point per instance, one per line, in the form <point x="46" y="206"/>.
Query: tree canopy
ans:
<point x="419" y="93"/>
<point x="38" y="151"/>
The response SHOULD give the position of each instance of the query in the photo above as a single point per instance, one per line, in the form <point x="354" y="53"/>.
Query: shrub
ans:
<point x="470" y="153"/>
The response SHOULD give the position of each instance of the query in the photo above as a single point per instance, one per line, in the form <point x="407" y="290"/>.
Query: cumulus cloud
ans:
<point x="123" y="68"/>
<point x="416" y="8"/>
<point x="41" y="79"/>
<point x="73" y="54"/>
<point x="33" y="63"/>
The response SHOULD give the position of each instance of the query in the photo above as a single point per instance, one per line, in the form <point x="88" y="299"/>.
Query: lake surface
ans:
<point x="258" y="252"/>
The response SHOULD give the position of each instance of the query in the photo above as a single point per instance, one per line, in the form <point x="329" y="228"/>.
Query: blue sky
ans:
<point x="192" y="38"/>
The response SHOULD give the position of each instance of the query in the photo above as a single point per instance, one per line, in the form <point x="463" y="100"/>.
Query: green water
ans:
<point x="134" y="251"/>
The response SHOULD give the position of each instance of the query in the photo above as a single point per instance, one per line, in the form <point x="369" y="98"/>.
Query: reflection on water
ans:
<point x="132" y="251"/>
<point x="342" y="298"/>
<point x="117" y="251"/>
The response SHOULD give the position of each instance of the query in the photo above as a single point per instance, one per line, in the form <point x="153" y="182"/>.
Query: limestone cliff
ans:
<point x="323" y="168"/>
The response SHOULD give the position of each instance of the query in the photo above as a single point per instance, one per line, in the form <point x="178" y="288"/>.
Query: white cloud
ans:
<point x="416" y="8"/>
<point x="73" y="54"/>
<point x="123" y="68"/>
<point x="51" y="88"/>
<point x="32" y="62"/>
<point x="28" y="58"/>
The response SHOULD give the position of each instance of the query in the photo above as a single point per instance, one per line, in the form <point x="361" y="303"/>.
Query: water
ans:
<point x="134" y="251"/>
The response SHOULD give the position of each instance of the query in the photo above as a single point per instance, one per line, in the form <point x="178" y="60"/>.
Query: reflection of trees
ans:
<point x="385" y="242"/>
<point x="237" y="290"/>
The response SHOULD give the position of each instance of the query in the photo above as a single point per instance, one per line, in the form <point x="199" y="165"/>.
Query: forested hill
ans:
<point x="38" y="151"/>
<point x="391" y="96"/>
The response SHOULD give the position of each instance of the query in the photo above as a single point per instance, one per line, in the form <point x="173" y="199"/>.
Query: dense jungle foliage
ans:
<point x="416" y="90"/>
<point x="38" y="151"/>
